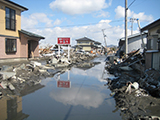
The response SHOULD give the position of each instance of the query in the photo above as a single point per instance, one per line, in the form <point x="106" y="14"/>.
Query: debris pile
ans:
<point x="15" y="78"/>
<point x="136" y="91"/>
<point x="46" y="50"/>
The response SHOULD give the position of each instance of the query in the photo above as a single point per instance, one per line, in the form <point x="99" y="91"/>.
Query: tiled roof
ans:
<point x="15" y="4"/>
<point x="84" y="39"/>
<point x="31" y="34"/>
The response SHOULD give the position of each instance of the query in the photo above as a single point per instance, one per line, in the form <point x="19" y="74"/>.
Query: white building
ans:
<point x="134" y="43"/>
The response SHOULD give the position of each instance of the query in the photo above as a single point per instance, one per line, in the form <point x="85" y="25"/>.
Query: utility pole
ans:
<point x="126" y="38"/>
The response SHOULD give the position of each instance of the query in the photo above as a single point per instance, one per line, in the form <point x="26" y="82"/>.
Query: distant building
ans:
<point x="88" y="44"/>
<point x="152" y="55"/>
<point x="85" y="43"/>
<point x="16" y="44"/>
<point x="98" y="46"/>
<point x="134" y="43"/>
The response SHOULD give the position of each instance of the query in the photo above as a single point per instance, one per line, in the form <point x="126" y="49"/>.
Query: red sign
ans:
<point x="64" y="40"/>
<point x="64" y="84"/>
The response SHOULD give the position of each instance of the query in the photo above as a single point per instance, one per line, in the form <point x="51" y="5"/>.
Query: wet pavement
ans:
<point x="77" y="93"/>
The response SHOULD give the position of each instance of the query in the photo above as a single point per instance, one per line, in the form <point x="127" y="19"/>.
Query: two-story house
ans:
<point x="16" y="44"/>
<point x="152" y="55"/>
<point x="85" y="43"/>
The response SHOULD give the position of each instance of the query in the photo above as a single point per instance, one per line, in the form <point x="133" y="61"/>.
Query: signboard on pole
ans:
<point x="63" y="40"/>
<point x="64" y="84"/>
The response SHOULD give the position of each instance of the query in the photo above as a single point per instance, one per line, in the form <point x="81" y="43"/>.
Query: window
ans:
<point x="10" y="19"/>
<point x="11" y="45"/>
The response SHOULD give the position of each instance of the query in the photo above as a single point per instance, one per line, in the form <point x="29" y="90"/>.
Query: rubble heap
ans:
<point x="15" y="78"/>
<point x="136" y="91"/>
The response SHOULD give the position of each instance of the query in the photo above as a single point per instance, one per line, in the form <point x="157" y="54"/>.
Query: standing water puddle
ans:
<point x="75" y="94"/>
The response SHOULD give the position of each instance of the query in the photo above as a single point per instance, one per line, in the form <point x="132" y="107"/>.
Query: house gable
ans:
<point x="6" y="6"/>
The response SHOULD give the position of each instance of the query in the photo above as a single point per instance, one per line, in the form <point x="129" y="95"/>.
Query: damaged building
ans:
<point x="153" y="45"/>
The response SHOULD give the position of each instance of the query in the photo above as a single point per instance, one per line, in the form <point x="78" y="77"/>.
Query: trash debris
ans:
<point x="11" y="87"/>
<point x="7" y="75"/>
<point x="137" y="91"/>
<point x="0" y="95"/>
<point x="126" y="68"/>
<point x="135" y="85"/>
<point x="15" y="78"/>
<point x="3" y="84"/>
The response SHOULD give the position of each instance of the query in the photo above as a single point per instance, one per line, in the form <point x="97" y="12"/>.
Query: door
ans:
<point x="29" y="49"/>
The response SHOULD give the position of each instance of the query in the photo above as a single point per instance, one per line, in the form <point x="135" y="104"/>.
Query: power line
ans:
<point x="131" y="4"/>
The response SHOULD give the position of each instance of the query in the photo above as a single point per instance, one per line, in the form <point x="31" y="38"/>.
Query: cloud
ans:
<point x="142" y="17"/>
<point x="102" y="14"/>
<point x="120" y="13"/>
<point x="57" y="22"/>
<point x="34" y="22"/>
<point x="85" y="97"/>
<point x="91" y="31"/>
<point x="73" y="7"/>
<point x="35" y="19"/>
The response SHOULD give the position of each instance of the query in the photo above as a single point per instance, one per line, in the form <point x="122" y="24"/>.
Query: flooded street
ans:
<point x="86" y="98"/>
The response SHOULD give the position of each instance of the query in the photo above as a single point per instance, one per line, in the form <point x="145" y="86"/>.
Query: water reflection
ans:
<point x="63" y="83"/>
<point x="11" y="108"/>
<point x="83" y="92"/>
<point x="98" y="70"/>
<point x="86" y="99"/>
<point x="76" y="96"/>
<point x="87" y="65"/>
<point x="11" y="103"/>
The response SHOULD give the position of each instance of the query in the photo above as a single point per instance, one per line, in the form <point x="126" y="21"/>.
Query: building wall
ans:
<point x="136" y="43"/>
<point x="148" y="60"/>
<point x="87" y="48"/>
<point x="153" y="37"/>
<point x="153" y="60"/>
<point x="24" y="46"/>
<point x="153" y="31"/>
<point x="35" y="46"/>
<point x="156" y="61"/>
<point x="83" y="43"/>
<point x="3" y="30"/>
<point x="3" y="54"/>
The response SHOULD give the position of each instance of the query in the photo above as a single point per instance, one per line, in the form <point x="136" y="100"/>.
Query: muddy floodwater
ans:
<point x="77" y="93"/>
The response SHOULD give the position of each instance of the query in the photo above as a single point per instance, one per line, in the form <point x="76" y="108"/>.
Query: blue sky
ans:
<point x="79" y="18"/>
